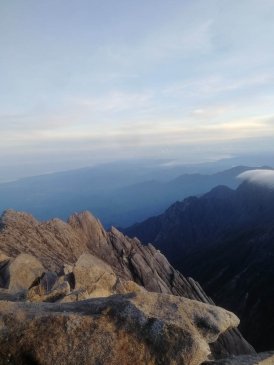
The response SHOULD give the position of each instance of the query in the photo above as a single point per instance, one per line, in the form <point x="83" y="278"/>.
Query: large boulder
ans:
<point x="94" y="275"/>
<point x="19" y="273"/>
<point x="144" y="328"/>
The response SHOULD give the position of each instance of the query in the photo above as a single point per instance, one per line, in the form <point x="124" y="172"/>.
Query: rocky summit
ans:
<point x="73" y="293"/>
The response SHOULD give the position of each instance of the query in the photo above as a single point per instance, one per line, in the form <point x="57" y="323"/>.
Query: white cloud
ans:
<point x="259" y="177"/>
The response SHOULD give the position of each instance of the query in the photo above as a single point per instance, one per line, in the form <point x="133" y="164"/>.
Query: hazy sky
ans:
<point x="85" y="81"/>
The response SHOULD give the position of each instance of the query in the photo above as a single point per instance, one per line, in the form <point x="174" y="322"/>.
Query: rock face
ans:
<point x="53" y="242"/>
<point x="242" y="280"/>
<point x="143" y="328"/>
<point x="198" y="222"/>
<point x="127" y="264"/>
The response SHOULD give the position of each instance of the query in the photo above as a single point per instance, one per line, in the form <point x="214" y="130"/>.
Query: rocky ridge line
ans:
<point x="58" y="244"/>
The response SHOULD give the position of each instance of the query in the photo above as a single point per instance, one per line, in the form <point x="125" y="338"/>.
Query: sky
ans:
<point x="87" y="81"/>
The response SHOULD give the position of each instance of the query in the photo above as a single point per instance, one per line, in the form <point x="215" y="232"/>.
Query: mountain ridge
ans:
<point x="217" y="238"/>
<point x="56" y="243"/>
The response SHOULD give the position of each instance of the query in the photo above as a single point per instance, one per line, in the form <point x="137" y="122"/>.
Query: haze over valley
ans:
<point x="119" y="194"/>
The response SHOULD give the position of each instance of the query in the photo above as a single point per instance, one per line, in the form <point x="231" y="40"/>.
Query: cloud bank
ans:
<point x="259" y="177"/>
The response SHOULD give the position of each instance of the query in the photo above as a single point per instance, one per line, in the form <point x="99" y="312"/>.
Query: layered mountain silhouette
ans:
<point x="118" y="195"/>
<point x="224" y="239"/>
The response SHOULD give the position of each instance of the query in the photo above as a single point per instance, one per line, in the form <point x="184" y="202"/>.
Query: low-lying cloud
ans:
<point x="259" y="177"/>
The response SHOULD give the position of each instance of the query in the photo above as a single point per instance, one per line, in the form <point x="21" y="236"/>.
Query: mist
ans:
<point x="259" y="177"/>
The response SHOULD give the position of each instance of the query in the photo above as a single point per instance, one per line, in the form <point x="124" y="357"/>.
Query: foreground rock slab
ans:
<point x="138" y="328"/>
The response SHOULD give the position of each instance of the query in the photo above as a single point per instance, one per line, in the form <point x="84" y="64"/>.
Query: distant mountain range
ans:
<point x="224" y="239"/>
<point x="119" y="195"/>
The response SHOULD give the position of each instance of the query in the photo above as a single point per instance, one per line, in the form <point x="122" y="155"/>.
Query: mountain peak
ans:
<point x="220" y="191"/>
<point x="87" y="222"/>
<point x="12" y="217"/>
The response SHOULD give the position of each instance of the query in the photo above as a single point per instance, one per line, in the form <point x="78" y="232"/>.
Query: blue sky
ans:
<point x="85" y="81"/>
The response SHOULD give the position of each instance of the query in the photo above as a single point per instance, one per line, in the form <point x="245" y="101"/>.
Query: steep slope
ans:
<point x="199" y="221"/>
<point x="239" y="274"/>
<point x="56" y="243"/>
<point x="225" y="240"/>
